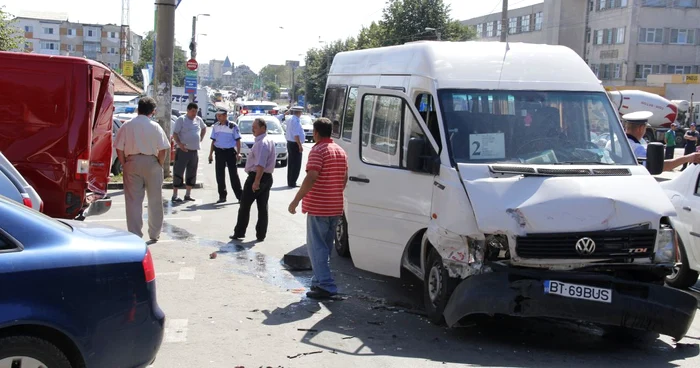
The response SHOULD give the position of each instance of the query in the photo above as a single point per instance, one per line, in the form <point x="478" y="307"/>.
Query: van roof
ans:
<point x="51" y="58"/>
<point x="475" y="64"/>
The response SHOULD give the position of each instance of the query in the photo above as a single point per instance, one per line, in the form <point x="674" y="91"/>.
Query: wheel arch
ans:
<point x="51" y="334"/>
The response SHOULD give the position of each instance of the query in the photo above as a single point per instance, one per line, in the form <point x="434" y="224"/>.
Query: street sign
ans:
<point x="300" y="102"/>
<point x="292" y="63"/>
<point x="191" y="73"/>
<point x="128" y="68"/>
<point x="190" y="84"/>
<point x="192" y="64"/>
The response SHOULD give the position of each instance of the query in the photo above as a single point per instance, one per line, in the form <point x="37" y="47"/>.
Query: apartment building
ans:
<point x="623" y="41"/>
<point x="216" y="69"/>
<point x="54" y="34"/>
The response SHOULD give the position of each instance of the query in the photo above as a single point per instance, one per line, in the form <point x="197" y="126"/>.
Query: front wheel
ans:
<point x="437" y="287"/>
<point x="31" y="352"/>
<point x="342" y="245"/>
<point x="682" y="277"/>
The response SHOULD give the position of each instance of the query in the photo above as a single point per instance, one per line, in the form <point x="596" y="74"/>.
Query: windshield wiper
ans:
<point x="583" y="163"/>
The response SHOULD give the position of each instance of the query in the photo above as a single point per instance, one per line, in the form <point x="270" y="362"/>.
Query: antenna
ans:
<point x="503" y="63"/>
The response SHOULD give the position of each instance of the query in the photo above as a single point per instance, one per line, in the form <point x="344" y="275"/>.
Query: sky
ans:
<point x="249" y="32"/>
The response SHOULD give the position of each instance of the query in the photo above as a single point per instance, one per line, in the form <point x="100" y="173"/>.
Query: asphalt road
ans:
<point x="244" y="309"/>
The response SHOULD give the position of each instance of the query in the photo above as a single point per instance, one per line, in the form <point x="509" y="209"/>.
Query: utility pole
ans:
<point x="193" y="47"/>
<point x="504" y="21"/>
<point x="163" y="76"/>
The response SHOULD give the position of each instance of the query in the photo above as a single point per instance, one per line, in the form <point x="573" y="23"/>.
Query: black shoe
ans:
<point x="315" y="288"/>
<point x="177" y="200"/>
<point x="236" y="237"/>
<point x="189" y="199"/>
<point x="221" y="200"/>
<point x="260" y="239"/>
<point x="319" y="294"/>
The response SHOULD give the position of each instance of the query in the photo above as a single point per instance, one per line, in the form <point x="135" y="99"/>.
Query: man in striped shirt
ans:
<point x="322" y="192"/>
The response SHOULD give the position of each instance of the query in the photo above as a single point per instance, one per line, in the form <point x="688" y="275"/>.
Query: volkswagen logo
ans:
<point x="585" y="246"/>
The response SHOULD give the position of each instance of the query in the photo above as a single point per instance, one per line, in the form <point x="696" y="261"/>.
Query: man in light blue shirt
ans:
<point x="226" y="143"/>
<point x="295" y="136"/>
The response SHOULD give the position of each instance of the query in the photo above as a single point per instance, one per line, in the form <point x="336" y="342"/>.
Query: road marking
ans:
<point x="187" y="273"/>
<point x="175" y="330"/>
<point x="191" y="218"/>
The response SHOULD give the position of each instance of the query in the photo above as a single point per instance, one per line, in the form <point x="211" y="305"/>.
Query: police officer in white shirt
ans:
<point x="226" y="143"/>
<point x="636" y="127"/>
<point x="295" y="137"/>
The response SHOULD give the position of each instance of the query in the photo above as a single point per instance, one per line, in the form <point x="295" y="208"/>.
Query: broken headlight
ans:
<point x="665" y="250"/>
<point x="497" y="247"/>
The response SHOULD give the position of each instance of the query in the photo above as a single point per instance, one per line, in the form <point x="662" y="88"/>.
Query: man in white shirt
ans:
<point x="188" y="133"/>
<point x="141" y="148"/>
<point x="295" y="137"/>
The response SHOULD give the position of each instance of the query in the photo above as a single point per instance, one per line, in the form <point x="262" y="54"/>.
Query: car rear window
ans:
<point x="62" y="226"/>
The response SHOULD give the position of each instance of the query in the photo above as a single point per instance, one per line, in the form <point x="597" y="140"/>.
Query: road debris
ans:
<point x="307" y="329"/>
<point x="212" y="256"/>
<point x="304" y="354"/>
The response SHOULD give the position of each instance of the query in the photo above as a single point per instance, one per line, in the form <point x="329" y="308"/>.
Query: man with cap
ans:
<point x="670" y="137"/>
<point x="691" y="141"/>
<point x="295" y="136"/>
<point x="635" y="128"/>
<point x="226" y="143"/>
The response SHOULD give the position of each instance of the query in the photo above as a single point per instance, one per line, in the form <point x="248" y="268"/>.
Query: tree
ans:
<point x="281" y="74"/>
<point x="272" y="89"/>
<point x="406" y="20"/>
<point x="370" y="37"/>
<point x="179" y="62"/>
<point x="10" y="37"/>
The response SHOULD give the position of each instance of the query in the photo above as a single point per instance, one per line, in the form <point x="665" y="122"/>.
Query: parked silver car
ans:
<point x="14" y="186"/>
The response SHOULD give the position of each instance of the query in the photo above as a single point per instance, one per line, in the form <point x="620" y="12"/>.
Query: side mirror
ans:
<point x="418" y="161"/>
<point x="655" y="158"/>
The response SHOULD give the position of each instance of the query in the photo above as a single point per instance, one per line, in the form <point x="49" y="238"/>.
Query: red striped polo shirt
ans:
<point x="326" y="196"/>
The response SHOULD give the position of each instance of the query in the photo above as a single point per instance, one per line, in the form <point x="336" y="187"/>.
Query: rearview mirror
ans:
<point x="655" y="158"/>
<point x="418" y="160"/>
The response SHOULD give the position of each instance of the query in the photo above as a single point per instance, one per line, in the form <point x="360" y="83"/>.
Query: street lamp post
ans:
<point x="193" y="45"/>
<point x="431" y="29"/>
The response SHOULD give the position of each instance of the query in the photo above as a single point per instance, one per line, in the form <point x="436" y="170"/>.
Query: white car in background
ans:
<point x="307" y="123"/>
<point x="274" y="130"/>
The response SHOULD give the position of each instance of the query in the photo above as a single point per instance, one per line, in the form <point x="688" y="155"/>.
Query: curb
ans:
<point x="165" y="186"/>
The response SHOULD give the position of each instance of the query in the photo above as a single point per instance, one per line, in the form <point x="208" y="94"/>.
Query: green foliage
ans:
<point x="402" y="21"/>
<point x="179" y="62"/>
<point x="280" y="74"/>
<point x="10" y="36"/>
<point x="272" y="89"/>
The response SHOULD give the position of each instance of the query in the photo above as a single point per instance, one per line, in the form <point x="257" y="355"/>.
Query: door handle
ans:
<point x="687" y="208"/>
<point x="358" y="180"/>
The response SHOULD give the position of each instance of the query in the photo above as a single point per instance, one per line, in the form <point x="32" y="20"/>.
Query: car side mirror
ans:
<point x="421" y="158"/>
<point x="655" y="158"/>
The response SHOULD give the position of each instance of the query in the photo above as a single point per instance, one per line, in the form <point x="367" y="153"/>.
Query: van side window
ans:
<point x="425" y="104"/>
<point x="383" y="131"/>
<point x="349" y="114"/>
<point x="333" y="104"/>
<point x="412" y="130"/>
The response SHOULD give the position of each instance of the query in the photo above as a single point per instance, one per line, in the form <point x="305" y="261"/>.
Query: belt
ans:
<point x="224" y="149"/>
<point x="140" y="154"/>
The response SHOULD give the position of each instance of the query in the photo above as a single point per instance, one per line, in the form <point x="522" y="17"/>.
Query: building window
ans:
<point x="651" y="35"/>
<point x="28" y="29"/>
<point x="609" y="36"/>
<point x="623" y="3"/>
<point x="591" y="6"/>
<point x="498" y="28"/>
<point x="112" y="50"/>
<point x="489" y="29"/>
<point x="612" y="4"/>
<point x="602" y="4"/>
<point x="679" y="69"/>
<point x="479" y="30"/>
<point x="598" y="37"/>
<point x="71" y="31"/>
<point x="112" y="34"/>
<point x="596" y="69"/>
<point x="683" y="36"/>
<point x="620" y="38"/>
<point x="90" y="33"/>
<point x="525" y="23"/>
<point x="685" y="3"/>
<point x="618" y="71"/>
<point x="538" y="21"/>
<point x="27" y="45"/>
<point x="49" y="46"/>
<point x="513" y="25"/>
<point x="48" y="30"/>
<point x="643" y="71"/>
<point x="656" y="3"/>
<point x="71" y="48"/>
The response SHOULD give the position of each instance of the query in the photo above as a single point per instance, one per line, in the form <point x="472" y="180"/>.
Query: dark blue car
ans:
<point x="74" y="294"/>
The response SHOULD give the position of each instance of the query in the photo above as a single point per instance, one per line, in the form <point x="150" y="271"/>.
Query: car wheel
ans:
<point x="437" y="287"/>
<point x="680" y="142"/>
<point x="342" y="246"/>
<point x="31" y="352"/>
<point x="116" y="170"/>
<point x="649" y="136"/>
<point x="682" y="277"/>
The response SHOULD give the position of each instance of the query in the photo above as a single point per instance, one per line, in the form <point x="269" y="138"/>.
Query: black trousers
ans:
<point x="227" y="158"/>
<point x="669" y="152"/>
<point x="688" y="150"/>
<point x="293" y="163"/>
<point x="262" y="196"/>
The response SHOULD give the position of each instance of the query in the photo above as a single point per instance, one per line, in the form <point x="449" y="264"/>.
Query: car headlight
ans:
<point x="280" y="145"/>
<point x="665" y="250"/>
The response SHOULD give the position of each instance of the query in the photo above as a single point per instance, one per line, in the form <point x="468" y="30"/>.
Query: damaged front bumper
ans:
<point x="520" y="292"/>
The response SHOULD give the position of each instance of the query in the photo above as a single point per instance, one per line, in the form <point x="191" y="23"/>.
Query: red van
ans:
<point x="56" y="128"/>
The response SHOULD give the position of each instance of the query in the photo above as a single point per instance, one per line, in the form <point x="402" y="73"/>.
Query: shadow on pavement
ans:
<point x="294" y="312"/>
<point x="208" y="206"/>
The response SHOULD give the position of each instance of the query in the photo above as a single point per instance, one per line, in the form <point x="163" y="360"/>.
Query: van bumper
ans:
<point x="520" y="293"/>
<point x="98" y="207"/>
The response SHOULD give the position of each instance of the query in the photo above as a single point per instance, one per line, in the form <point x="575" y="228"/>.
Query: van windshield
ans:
<point x="533" y="127"/>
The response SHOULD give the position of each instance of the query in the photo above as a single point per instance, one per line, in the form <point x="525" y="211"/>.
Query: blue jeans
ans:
<point x="320" y="237"/>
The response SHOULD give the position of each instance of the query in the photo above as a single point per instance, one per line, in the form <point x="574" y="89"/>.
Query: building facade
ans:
<point x="53" y="34"/>
<point x="623" y="41"/>
<point x="216" y="69"/>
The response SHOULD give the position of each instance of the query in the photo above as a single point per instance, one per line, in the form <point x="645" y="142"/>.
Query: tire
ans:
<point x="116" y="167"/>
<point x="342" y="246"/>
<point x="649" y="136"/>
<point x="680" y="142"/>
<point x="31" y="350"/>
<point x="283" y="163"/>
<point x="682" y="277"/>
<point x="437" y="288"/>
